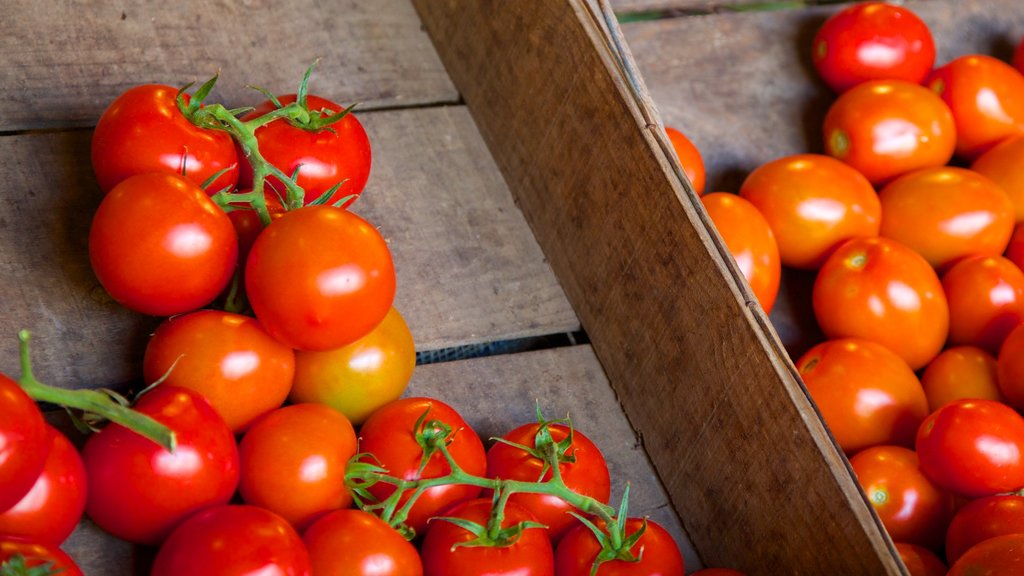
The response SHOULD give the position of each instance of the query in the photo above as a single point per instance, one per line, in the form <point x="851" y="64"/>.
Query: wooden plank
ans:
<point x="469" y="269"/>
<point x="564" y="380"/>
<point x="731" y="431"/>
<point x="63" y="62"/>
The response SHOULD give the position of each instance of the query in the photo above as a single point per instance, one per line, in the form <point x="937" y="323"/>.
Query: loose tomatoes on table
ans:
<point x="352" y="542"/>
<point x="657" y="551"/>
<point x="24" y="443"/>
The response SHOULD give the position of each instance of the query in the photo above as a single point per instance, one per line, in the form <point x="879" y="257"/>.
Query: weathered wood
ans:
<point x="63" y="62"/>
<point x="697" y="367"/>
<point x="469" y="270"/>
<point x="565" y="381"/>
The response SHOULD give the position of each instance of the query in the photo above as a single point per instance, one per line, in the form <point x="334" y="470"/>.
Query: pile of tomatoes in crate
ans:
<point x="273" y="436"/>
<point x="912" y="225"/>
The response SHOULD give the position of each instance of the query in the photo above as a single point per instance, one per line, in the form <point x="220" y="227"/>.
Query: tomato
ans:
<point x="138" y="491"/>
<point x="323" y="158"/>
<point x="866" y="394"/>
<point x="973" y="448"/>
<point x="576" y="552"/>
<point x="986" y="300"/>
<point x="228" y="358"/>
<point x="1004" y="165"/>
<point x="689" y="157"/>
<point x="143" y="131"/>
<point x="319" y="278"/>
<point x="35" y="555"/>
<point x="960" y="372"/>
<point x="293" y="462"/>
<point x="885" y="128"/>
<point x="352" y="542"/>
<point x="997" y="556"/>
<point x="248" y="225"/>
<point x="981" y="519"/>
<point x="986" y="96"/>
<point x="751" y="242"/>
<point x="912" y="508"/>
<point x="812" y="203"/>
<point x="946" y="213"/>
<point x="160" y="246"/>
<point x="52" y="508"/>
<point x="1010" y="368"/>
<point x="1015" y="249"/>
<point x="587" y="475"/>
<point x="880" y="290"/>
<point x="233" y="540"/>
<point x="919" y="560"/>
<point x="389" y="436"/>
<point x="444" y="551"/>
<point x="361" y="377"/>
<point x="24" y="443"/>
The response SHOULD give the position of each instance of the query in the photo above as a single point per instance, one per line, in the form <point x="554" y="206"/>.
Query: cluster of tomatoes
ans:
<point x="912" y="222"/>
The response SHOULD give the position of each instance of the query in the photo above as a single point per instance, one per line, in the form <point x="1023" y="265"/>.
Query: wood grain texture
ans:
<point x="64" y="62"/>
<point x="733" y="435"/>
<point x="469" y="269"/>
<point x="566" y="381"/>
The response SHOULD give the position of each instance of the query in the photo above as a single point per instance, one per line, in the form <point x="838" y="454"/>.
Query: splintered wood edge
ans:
<point x="743" y="450"/>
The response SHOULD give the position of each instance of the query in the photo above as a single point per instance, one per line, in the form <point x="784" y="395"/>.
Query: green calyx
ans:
<point x="17" y="565"/>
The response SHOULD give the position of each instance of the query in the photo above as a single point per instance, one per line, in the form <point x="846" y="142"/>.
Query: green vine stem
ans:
<point x="91" y="401"/>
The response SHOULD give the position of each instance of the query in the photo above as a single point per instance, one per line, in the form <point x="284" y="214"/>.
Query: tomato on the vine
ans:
<point x="19" y="553"/>
<point x="656" y="549"/>
<point x="352" y="542"/>
<point x="143" y="131"/>
<point x="24" y="442"/>
<point x="981" y="519"/>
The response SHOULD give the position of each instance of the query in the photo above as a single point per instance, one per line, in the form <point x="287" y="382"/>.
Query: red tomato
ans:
<point x="1015" y="249"/>
<point x="587" y="475"/>
<point x="24" y="443"/>
<point x="873" y="41"/>
<point x="880" y="290"/>
<point x="319" y="278"/>
<point x="973" y="448"/>
<point x="749" y="238"/>
<point x="986" y="300"/>
<point x="912" y="508"/>
<point x="919" y="560"/>
<point x="960" y="373"/>
<point x="160" y="246"/>
<point x="986" y="96"/>
<point x="1010" y="368"/>
<point x="866" y="394"/>
<point x="228" y="358"/>
<point x="982" y="519"/>
<point x="356" y="543"/>
<point x="36" y="555"/>
<point x="361" y="377"/>
<point x="52" y="508"/>
<point x="444" y="551"/>
<point x="812" y="204"/>
<point x="233" y="540"/>
<point x="323" y="158"/>
<point x="143" y="131"/>
<point x="139" y="491"/>
<point x="946" y="213"/>
<point x="577" y="551"/>
<point x="885" y="128"/>
<point x="689" y="157"/>
<point x="248" y="225"/>
<point x="1004" y="165"/>
<point x="999" y="556"/>
<point x="389" y="436"/>
<point x="293" y="462"/>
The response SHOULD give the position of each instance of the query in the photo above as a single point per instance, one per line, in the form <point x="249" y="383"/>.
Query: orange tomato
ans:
<point x="812" y="203"/>
<point x="986" y="96"/>
<point x="689" y="157"/>
<point x="885" y="128"/>
<point x="750" y="240"/>
<point x="867" y="395"/>
<point x="1004" y="165"/>
<point x="946" y="213"/>
<point x="880" y="290"/>
<point x="986" y="300"/>
<point x="1010" y="368"/>
<point x="960" y="373"/>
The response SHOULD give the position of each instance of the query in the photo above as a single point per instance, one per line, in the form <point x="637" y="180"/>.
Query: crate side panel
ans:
<point x="64" y="62"/>
<point x="733" y="435"/>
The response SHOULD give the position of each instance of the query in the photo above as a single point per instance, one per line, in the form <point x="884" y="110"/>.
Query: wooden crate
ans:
<point x="526" y="191"/>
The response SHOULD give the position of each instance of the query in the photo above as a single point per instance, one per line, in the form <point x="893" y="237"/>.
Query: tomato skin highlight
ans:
<point x="24" y="443"/>
<point x="352" y="542"/>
